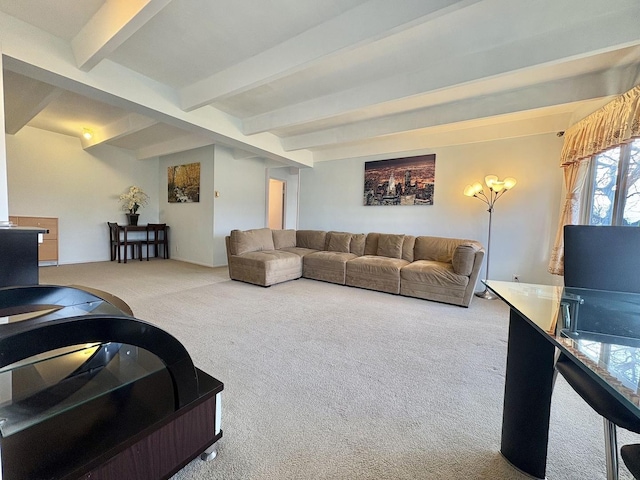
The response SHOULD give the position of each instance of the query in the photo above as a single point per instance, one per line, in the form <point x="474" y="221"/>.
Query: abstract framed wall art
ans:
<point x="183" y="182"/>
<point x="400" y="181"/>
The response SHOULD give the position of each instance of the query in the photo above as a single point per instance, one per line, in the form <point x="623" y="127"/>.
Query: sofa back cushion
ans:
<point x="407" y="247"/>
<point x="438" y="249"/>
<point x="284" y="239"/>
<point x="338" y="242"/>
<point x="357" y="243"/>
<point x="371" y="244"/>
<point x="253" y="240"/>
<point x="314" y="239"/>
<point x="390" y="245"/>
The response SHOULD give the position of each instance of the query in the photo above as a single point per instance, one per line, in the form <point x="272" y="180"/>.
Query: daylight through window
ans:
<point x="613" y="195"/>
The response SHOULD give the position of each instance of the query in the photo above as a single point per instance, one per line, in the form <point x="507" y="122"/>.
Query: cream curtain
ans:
<point x="574" y="180"/>
<point x="616" y="123"/>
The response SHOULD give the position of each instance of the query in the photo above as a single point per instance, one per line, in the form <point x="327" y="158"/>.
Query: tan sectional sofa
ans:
<point x="434" y="268"/>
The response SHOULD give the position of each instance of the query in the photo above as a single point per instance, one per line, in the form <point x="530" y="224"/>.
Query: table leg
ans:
<point x="125" y="244"/>
<point x="527" y="397"/>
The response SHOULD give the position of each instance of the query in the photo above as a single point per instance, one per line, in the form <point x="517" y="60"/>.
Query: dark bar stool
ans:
<point x="116" y="244"/>
<point x="114" y="240"/>
<point x="602" y="258"/>
<point x="631" y="457"/>
<point x="159" y="238"/>
<point x="135" y="244"/>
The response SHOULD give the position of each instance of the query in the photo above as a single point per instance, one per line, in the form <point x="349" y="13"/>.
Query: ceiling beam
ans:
<point x="568" y="90"/>
<point x="110" y="27"/>
<point x="428" y="140"/>
<point x="575" y="41"/>
<point x="34" y="98"/>
<point x="29" y="51"/>
<point x="127" y="125"/>
<point x="239" y="154"/>
<point x="175" y="145"/>
<point x="375" y="19"/>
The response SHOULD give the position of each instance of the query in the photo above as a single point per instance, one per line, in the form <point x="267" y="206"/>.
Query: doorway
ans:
<point x="277" y="192"/>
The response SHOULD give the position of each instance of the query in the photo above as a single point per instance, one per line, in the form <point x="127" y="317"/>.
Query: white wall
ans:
<point x="524" y="220"/>
<point x="198" y="229"/>
<point x="4" y="200"/>
<point x="242" y="200"/>
<point x="50" y="175"/>
<point x="190" y="224"/>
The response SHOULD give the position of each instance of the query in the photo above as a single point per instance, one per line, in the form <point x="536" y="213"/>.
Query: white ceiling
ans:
<point x="328" y="79"/>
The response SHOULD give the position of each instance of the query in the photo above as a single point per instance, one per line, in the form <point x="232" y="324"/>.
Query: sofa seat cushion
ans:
<point x="433" y="280"/>
<point x="375" y="273"/>
<point x="266" y="267"/>
<point x="300" y="251"/>
<point x="326" y="266"/>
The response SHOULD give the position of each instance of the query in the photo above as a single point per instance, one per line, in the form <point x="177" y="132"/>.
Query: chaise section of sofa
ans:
<point x="252" y="258"/>
<point x="443" y="269"/>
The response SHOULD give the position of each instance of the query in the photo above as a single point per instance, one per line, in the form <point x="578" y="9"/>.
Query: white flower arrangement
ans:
<point x="133" y="199"/>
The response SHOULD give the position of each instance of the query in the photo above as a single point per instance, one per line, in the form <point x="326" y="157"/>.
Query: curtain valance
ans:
<point x="615" y="123"/>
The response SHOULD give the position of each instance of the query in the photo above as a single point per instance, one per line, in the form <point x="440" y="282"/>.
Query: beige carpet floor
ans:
<point x="330" y="382"/>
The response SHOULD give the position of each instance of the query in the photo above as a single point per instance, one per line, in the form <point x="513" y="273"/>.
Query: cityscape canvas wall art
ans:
<point x="184" y="183"/>
<point x="400" y="181"/>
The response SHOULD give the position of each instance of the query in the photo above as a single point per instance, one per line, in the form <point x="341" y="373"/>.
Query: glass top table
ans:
<point x="598" y="330"/>
<point x="601" y="329"/>
<point x="44" y="386"/>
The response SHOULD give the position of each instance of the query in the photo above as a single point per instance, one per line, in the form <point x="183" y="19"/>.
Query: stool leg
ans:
<point x="611" y="449"/>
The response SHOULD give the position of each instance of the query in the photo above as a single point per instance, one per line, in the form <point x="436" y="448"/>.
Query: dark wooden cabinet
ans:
<point x="19" y="255"/>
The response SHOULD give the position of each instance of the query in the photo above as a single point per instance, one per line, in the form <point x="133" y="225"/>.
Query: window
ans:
<point x="613" y="194"/>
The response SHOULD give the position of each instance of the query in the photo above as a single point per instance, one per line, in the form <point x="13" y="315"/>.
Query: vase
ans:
<point x="133" y="218"/>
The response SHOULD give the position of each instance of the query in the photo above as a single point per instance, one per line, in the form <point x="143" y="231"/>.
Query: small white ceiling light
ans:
<point x="87" y="133"/>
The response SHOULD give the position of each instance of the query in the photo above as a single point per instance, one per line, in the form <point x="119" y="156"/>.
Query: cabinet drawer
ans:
<point x="48" y="251"/>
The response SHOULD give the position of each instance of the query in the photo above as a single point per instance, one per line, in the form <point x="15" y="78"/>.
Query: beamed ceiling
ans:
<point x="301" y="81"/>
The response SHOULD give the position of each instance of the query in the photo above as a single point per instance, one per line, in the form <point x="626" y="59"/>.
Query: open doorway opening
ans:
<point x="277" y="192"/>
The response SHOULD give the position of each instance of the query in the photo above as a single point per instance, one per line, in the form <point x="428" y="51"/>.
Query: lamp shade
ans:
<point x="490" y="180"/>
<point x="509" y="183"/>
<point x="473" y="190"/>
<point x="497" y="186"/>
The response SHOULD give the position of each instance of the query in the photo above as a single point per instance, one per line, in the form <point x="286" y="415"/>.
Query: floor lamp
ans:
<point x="497" y="188"/>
